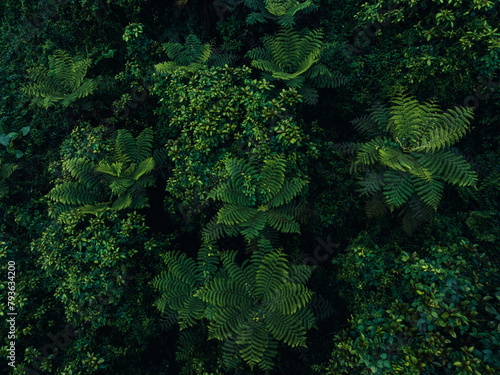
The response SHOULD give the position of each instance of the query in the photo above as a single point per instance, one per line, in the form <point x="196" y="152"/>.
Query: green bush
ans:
<point x="429" y="314"/>
<point x="81" y="273"/>
<point x="220" y="112"/>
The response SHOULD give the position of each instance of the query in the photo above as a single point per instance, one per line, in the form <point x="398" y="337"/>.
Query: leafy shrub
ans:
<point x="216" y="113"/>
<point x="81" y="273"/>
<point x="418" y="314"/>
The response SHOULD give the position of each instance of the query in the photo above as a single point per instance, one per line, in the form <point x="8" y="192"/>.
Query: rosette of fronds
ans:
<point x="62" y="81"/>
<point x="192" y="55"/>
<point x="409" y="157"/>
<point x="284" y="12"/>
<point x="293" y="57"/>
<point x="119" y="183"/>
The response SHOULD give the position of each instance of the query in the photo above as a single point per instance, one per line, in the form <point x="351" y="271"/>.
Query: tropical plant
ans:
<point x="193" y="55"/>
<point x="293" y="57"/>
<point x="282" y="11"/>
<point x="62" y="81"/>
<point x="125" y="176"/>
<point x="409" y="157"/>
<point x="250" y="307"/>
<point x="6" y="170"/>
<point x="256" y="201"/>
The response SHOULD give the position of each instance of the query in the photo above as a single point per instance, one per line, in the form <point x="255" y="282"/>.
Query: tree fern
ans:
<point x="118" y="182"/>
<point x="193" y="55"/>
<point x="63" y="80"/>
<point x="256" y="200"/>
<point x="411" y="149"/>
<point x="281" y="11"/>
<point x="249" y="307"/>
<point x="293" y="57"/>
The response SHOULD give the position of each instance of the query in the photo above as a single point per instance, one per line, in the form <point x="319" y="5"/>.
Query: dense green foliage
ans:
<point x="441" y="318"/>
<point x="194" y="187"/>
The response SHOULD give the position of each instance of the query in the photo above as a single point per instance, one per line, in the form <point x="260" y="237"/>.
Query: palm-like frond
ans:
<point x="293" y="57"/>
<point x="62" y="81"/>
<point x="250" y="306"/>
<point x="124" y="177"/>
<point x="255" y="200"/>
<point x="414" y="154"/>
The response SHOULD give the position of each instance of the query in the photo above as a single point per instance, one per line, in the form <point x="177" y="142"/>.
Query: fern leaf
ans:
<point x="288" y="299"/>
<point x="282" y="222"/>
<point x="270" y="274"/>
<point x="450" y="166"/>
<point x="376" y="206"/>
<point x="398" y="188"/>
<point x="253" y="336"/>
<point x="287" y="328"/>
<point x="233" y="214"/>
<point x="430" y="191"/>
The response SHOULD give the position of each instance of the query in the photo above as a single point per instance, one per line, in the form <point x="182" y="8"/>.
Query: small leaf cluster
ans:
<point x="7" y="140"/>
<point x="82" y="272"/>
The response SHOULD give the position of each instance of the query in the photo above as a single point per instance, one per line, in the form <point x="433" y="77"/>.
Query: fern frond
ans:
<point x="253" y="336"/>
<point x="214" y="230"/>
<point x="451" y="127"/>
<point x="430" y="191"/>
<point x="271" y="273"/>
<point x="144" y="145"/>
<point x="449" y="166"/>
<point x="273" y="177"/>
<point x="368" y="153"/>
<point x="288" y="299"/>
<point x="72" y="193"/>
<point x="321" y="309"/>
<point x="406" y="117"/>
<point x="398" y="188"/>
<point x="62" y="81"/>
<point x="287" y="328"/>
<point x="282" y="222"/>
<point x="395" y="159"/>
<point x="376" y="206"/>
<point x="346" y="148"/>
<point x="310" y="95"/>
<point x="125" y="147"/>
<point x="231" y="214"/>
<point x="371" y="183"/>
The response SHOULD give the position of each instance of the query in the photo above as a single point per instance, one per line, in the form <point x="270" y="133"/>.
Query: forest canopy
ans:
<point x="250" y="187"/>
